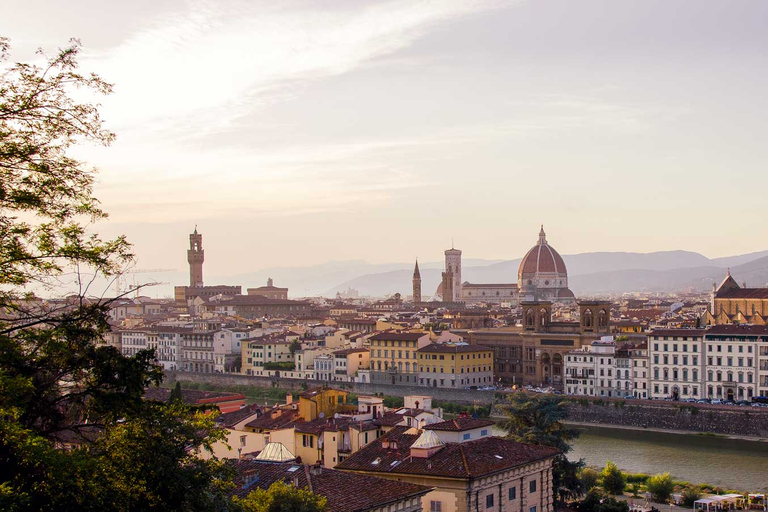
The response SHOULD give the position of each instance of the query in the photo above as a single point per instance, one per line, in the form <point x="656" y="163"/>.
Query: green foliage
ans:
<point x="482" y="411"/>
<point x="75" y="431"/>
<point x="634" y="490"/>
<point x="612" y="479"/>
<point x="597" y="501"/>
<point x="175" y="395"/>
<point x="285" y="366"/>
<point x="393" y="402"/>
<point x="295" y="346"/>
<point x="638" y="478"/>
<point x="281" y="497"/>
<point x="660" y="486"/>
<point x="538" y="419"/>
<point x="690" y="494"/>
<point x="589" y="478"/>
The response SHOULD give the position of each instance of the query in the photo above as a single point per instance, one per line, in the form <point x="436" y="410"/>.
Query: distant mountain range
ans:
<point x="589" y="273"/>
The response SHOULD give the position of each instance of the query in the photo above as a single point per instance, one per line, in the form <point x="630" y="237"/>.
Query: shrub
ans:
<point x="689" y="495"/>
<point x="660" y="486"/>
<point x="589" y="478"/>
<point x="612" y="479"/>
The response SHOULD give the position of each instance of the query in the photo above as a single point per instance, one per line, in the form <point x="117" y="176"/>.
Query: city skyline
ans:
<point x="278" y="129"/>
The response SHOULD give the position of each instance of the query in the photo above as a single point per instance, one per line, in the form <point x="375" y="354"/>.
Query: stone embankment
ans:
<point x="648" y="414"/>
<point x="459" y="396"/>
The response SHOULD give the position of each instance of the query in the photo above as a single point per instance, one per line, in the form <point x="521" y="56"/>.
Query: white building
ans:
<point x="640" y="370"/>
<point x="676" y="359"/>
<point x="598" y="370"/>
<point x="732" y="361"/>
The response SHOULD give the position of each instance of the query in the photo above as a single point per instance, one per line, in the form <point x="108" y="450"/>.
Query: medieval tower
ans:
<point x="452" y="276"/>
<point x="195" y="257"/>
<point x="416" y="284"/>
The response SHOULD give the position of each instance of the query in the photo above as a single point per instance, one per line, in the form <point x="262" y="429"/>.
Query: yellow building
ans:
<point x="393" y="356"/>
<point x="445" y="365"/>
<point x="323" y="403"/>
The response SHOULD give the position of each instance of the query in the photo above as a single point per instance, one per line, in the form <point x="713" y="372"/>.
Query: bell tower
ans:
<point x="195" y="257"/>
<point x="416" y="284"/>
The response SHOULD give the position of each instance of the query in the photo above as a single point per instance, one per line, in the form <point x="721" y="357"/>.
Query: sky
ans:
<point x="295" y="133"/>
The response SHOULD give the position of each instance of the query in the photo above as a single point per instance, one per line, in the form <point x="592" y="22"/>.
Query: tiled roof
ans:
<point x="735" y="329"/>
<point x="399" y="336"/>
<point x="321" y="425"/>
<point x="471" y="459"/>
<point x="347" y="351"/>
<point x="230" y="419"/>
<point x="459" y="424"/>
<point x="390" y="419"/>
<point x="677" y="332"/>
<point x="345" y="492"/>
<point x="743" y="293"/>
<point x="267" y="422"/>
<point x="191" y="396"/>
<point x="453" y="349"/>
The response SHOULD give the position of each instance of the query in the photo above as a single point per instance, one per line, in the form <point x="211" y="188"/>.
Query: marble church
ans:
<point x="542" y="276"/>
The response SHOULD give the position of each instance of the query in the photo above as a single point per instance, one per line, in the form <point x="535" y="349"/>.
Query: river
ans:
<point x="728" y="463"/>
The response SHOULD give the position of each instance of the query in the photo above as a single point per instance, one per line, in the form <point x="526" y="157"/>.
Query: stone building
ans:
<point x="534" y="352"/>
<point x="489" y="473"/>
<point x="731" y="303"/>
<point x="393" y="357"/>
<point x="195" y="257"/>
<point x="677" y="363"/>
<point x="416" y="284"/>
<point x="542" y="274"/>
<point x="455" y="365"/>
<point x="270" y="291"/>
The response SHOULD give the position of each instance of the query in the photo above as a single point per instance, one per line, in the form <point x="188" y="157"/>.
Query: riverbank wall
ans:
<point x="459" y="396"/>
<point x="671" y="416"/>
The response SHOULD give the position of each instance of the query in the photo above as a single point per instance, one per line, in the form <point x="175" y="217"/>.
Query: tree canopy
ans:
<point x="281" y="497"/>
<point x="538" y="419"/>
<point x="75" y="430"/>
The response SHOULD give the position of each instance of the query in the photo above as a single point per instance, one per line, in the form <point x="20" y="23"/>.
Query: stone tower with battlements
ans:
<point x="416" y="284"/>
<point x="195" y="257"/>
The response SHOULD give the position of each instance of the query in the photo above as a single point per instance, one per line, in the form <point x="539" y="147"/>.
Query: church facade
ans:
<point x="734" y="304"/>
<point x="542" y="276"/>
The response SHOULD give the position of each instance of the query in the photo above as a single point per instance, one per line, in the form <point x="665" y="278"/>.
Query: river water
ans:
<point x="728" y="463"/>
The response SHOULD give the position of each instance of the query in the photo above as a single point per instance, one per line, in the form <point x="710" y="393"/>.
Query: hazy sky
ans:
<point x="300" y="132"/>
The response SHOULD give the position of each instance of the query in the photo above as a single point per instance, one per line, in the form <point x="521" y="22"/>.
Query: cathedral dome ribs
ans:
<point x="542" y="274"/>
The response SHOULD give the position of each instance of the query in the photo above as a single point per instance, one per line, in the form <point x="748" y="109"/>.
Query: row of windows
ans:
<point x="511" y="495"/>
<point x="474" y="369"/>
<point x="380" y="343"/>
<point x="481" y="355"/>
<point x="675" y="359"/>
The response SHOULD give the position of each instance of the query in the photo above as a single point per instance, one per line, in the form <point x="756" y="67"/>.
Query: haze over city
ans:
<point x="285" y="130"/>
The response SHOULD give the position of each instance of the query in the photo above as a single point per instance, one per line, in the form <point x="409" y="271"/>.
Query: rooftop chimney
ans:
<point x="288" y="399"/>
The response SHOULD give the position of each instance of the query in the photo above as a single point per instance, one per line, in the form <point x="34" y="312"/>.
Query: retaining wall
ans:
<point x="743" y="421"/>
<point x="463" y="396"/>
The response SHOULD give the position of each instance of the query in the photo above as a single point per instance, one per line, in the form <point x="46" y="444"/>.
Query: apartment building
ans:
<point x="393" y="356"/>
<point x="733" y="361"/>
<point x="676" y="360"/>
<point x="458" y="365"/>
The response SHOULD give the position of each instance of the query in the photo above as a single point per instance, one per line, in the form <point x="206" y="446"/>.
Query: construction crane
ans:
<point x="120" y="280"/>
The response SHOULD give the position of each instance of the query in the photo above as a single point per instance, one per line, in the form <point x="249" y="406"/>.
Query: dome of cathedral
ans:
<point x="542" y="259"/>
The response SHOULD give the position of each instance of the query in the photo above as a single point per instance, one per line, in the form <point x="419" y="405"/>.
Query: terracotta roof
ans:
<point x="743" y="293"/>
<point x="541" y="258"/>
<point x="230" y="419"/>
<point x="453" y="349"/>
<point x="267" y="422"/>
<point x="742" y="330"/>
<point x="347" y="351"/>
<point x="191" y="396"/>
<point x="399" y="336"/>
<point x="459" y="424"/>
<point x="471" y="459"/>
<point x="345" y="492"/>
<point x="677" y="332"/>
<point x="321" y="425"/>
<point x="390" y="419"/>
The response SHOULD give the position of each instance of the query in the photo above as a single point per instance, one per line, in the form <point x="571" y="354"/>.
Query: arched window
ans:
<point x="602" y="318"/>
<point x="587" y="318"/>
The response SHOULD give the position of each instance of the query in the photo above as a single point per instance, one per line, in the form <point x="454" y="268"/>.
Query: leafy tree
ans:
<point x="690" y="494"/>
<point x="661" y="486"/>
<point x="295" y="346"/>
<point x="281" y="497"/>
<point x="612" y="479"/>
<point x="175" y="395"/>
<point x="589" y="478"/>
<point x="597" y="501"/>
<point x="538" y="419"/>
<point x="60" y="386"/>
